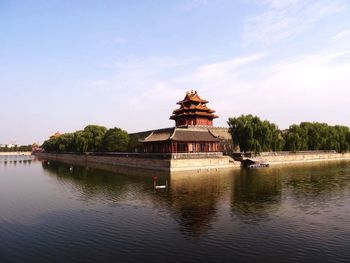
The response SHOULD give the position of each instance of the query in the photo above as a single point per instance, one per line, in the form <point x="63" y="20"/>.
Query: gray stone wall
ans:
<point x="169" y="164"/>
<point x="159" y="164"/>
<point x="301" y="157"/>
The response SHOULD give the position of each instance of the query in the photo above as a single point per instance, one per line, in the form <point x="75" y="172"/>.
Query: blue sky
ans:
<point x="67" y="64"/>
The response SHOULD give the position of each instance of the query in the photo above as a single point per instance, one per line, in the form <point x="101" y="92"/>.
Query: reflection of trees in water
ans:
<point x="193" y="199"/>
<point x="316" y="183"/>
<point x="255" y="194"/>
<point x="258" y="193"/>
<point x="92" y="183"/>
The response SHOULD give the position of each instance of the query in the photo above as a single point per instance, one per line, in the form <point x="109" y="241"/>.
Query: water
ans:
<point x="51" y="213"/>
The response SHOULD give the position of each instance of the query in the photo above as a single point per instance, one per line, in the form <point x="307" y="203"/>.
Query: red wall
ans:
<point x="194" y="121"/>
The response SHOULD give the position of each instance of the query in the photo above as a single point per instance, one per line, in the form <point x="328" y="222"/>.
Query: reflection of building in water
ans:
<point x="255" y="193"/>
<point x="193" y="199"/>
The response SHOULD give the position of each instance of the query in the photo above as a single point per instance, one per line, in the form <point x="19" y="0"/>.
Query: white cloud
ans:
<point x="286" y="19"/>
<point x="218" y="70"/>
<point x="341" y="35"/>
<point x="314" y="88"/>
<point x="141" y="94"/>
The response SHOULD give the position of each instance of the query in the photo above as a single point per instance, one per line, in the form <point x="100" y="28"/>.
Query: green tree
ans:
<point x="316" y="136"/>
<point x="116" y="140"/>
<point x="90" y="139"/>
<point x="293" y="142"/>
<point x="66" y="142"/>
<point x="51" y="145"/>
<point x="252" y="134"/>
<point x="278" y="141"/>
<point x="95" y="135"/>
<point x="81" y="142"/>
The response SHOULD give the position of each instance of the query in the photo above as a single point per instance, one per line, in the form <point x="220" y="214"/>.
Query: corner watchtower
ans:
<point x="193" y="112"/>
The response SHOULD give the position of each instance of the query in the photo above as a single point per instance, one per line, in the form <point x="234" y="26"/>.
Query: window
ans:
<point x="181" y="147"/>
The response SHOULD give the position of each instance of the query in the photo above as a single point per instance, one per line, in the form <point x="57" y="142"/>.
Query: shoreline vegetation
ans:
<point x="16" y="148"/>
<point x="249" y="134"/>
<point x="93" y="138"/>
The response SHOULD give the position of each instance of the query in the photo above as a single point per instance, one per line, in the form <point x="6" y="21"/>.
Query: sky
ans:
<point x="67" y="64"/>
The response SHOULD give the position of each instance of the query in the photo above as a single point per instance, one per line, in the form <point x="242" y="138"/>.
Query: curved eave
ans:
<point x="189" y="100"/>
<point x="198" y="108"/>
<point x="191" y="111"/>
<point x="185" y="135"/>
<point x="211" y="116"/>
<point x="158" y="136"/>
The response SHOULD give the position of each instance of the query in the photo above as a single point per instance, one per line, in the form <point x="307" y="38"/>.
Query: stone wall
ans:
<point x="300" y="157"/>
<point x="159" y="164"/>
<point x="168" y="164"/>
<point x="203" y="164"/>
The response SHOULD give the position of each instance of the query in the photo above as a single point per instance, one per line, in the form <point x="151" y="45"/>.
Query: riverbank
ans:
<point x="289" y="158"/>
<point x="14" y="153"/>
<point x="163" y="162"/>
<point x="188" y="162"/>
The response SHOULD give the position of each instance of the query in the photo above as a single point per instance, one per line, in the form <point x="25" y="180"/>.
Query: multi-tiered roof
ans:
<point x="193" y="111"/>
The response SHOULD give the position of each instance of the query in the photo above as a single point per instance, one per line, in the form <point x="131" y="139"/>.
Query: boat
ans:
<point x="248" y="163"/>
<point x="258" y="165"/>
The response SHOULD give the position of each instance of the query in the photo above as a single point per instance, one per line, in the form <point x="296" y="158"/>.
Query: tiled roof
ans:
<point x="159" y="135"/>
<point x="221" y="133"/>
<point x="193" y="105"/>
<point x="193" y="114"/>
<point x="193" y="135"/>
<point x="200" y="107"/>
<point x="192" y="96"/>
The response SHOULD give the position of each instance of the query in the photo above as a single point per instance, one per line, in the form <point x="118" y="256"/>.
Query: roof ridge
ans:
<point x="149" y="135"/>
<point x="172" y="135"/>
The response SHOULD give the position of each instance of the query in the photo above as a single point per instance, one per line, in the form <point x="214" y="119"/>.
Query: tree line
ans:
<point x="252" y="134"/>
<point x="248" y="132"/>
<point x="93" y="138"/>
<point x="17" y="148"/>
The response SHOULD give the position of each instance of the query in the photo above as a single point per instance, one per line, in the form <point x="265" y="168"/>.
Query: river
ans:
<point x="55" y="212"/>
